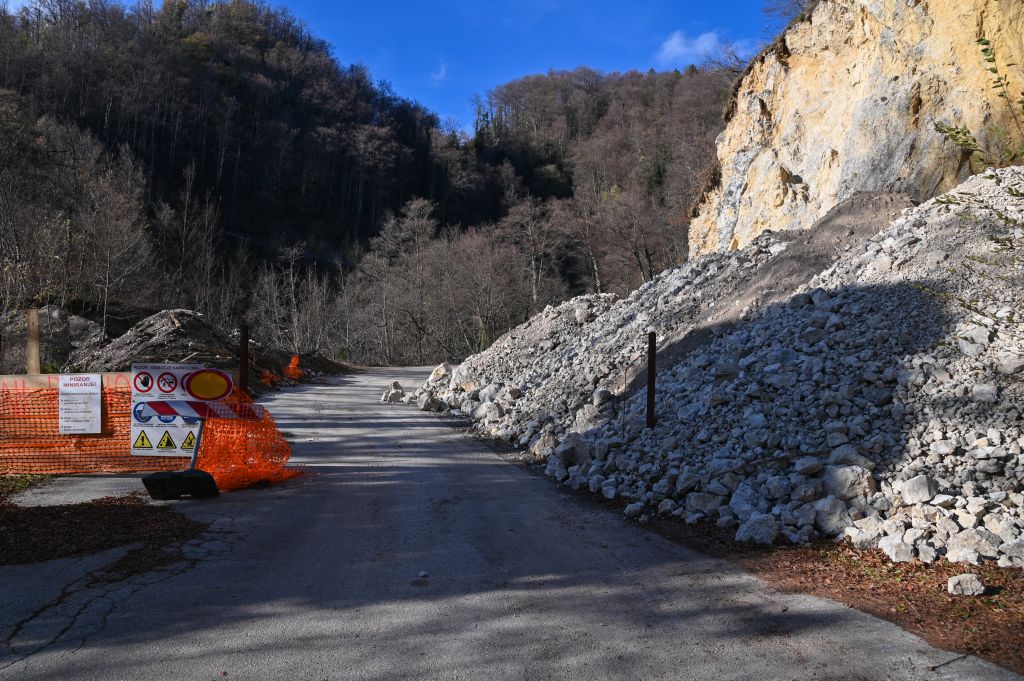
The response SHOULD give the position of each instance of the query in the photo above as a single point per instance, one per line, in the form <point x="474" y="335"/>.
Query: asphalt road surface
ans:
<point x="411" y="552"/>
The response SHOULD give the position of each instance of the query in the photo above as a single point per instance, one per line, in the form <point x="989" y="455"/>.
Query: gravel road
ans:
<point x="411" y="552"/>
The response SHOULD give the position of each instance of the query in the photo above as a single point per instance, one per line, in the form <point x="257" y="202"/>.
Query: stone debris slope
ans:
<point x="560" y="371"/>
<point x="881" y="401"/>
<point x="562" y="367"/>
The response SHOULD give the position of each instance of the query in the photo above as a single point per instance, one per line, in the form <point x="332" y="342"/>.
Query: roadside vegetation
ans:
<point x="12" y="484"/>
<point x="216" y="156"/>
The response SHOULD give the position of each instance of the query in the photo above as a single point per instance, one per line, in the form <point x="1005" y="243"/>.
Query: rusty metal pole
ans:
<point x="243" y="357"/>
<point x="32" y="343"/>
<point x="652" y="351"/>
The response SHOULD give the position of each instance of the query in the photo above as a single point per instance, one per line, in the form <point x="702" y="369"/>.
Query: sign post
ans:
<point x="32" y="365"/>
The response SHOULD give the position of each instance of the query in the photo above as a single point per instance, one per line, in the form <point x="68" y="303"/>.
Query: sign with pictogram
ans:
<point x="173" y="438"/>
<point x="208" y="384"/>
<point x="139" y="413"/>
<point x="167" y="383"/>
<point x="170" y="401"/>
<point x="161" y="433"/>
<point x="161" y="381"/>
<point x="142" y="382"/>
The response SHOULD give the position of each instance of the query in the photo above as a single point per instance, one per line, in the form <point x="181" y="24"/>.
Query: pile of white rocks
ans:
<point x="883" y="402"/>
<point x="558" y="372"/>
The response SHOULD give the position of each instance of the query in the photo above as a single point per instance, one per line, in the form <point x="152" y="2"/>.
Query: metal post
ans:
<point x="32" y="344"/>
<point x="243" y="357"/>
<point x="199" y="441"/>
<point x="652" y="348"/>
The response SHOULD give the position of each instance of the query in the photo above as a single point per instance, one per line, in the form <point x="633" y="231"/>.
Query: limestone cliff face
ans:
<point x="846" y="101"/>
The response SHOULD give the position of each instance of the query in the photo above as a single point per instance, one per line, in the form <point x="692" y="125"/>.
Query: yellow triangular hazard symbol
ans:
<point x="190" y="441"/>
<point x="142" y="442"/>
<point x="166" y="442"/>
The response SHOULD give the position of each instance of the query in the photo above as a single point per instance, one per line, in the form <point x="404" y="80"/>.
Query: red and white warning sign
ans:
<point x="208" y="384"/>
<point x="161" y="381"/>
<point x="167" y="383"/>
<point x="142" y="382"/>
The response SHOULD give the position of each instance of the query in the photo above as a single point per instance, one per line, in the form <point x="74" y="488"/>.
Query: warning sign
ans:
<point x="161" y="395"/>
<point x="208" y="384"/>
<point x="167" y="383"/>
<point x="166" y="378"/>
<point x="173" y="437"/>
<point x="79" y="404"/>
<point x="143" y="382"/>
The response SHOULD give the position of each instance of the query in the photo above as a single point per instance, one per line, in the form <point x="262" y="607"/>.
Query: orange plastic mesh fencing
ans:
<point x="237" y="453"/>
<point x="293" y="371"/>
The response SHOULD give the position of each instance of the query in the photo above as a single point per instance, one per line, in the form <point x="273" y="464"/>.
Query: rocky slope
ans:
<point x="882" y="399"/>
<point x="793" y="148"/>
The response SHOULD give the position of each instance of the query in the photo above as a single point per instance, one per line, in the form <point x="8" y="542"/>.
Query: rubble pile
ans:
<point x="169" y="336"/>
<point x="186" y="336"/>
<point x="882" y="401"/>
<point x="562" y="367"/>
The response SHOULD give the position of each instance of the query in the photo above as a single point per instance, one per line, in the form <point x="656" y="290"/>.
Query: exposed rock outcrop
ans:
<point x="846" y="102"/>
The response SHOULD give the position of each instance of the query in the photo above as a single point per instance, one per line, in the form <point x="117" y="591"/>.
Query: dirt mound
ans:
<point x="187" y="336"/>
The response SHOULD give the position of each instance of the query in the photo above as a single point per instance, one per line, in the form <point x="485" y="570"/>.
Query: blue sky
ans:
<point x="443" y="52"/>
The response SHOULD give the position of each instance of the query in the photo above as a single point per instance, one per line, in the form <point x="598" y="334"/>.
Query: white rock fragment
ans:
<point x="965" y="585"/>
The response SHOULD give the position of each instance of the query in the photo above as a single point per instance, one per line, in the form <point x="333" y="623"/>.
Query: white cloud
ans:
<point x="681" y="50"/>
<point x="440" y="74"/>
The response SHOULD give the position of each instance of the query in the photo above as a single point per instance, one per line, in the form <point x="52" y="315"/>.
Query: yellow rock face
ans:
<point x="848" y="103"/>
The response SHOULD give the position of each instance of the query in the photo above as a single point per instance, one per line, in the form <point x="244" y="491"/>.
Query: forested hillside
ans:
<point x="215" y="155"/>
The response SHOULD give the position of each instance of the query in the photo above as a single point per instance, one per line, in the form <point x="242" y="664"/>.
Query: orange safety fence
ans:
<point x="293" y="371"/>
<point x="237" y="453"/>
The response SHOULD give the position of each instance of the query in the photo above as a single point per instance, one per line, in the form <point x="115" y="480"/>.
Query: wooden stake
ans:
<point x="652" y="350"/>
<point x="243" y="357"/>
<point x="32" y="344"/>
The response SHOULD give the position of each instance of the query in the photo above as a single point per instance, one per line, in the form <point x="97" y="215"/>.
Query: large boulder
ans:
<point x="917" y="490"/>
<point x="760" y="528"/>
<point x="849" y="482"/>
<point x="464" y="378"/>
<point x="965" y="585"/>
<point x="427" y="402"/>
<point x="441" y="373"/>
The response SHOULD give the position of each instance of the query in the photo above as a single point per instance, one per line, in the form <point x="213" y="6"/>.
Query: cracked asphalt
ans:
<point x="411" y="552"/>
